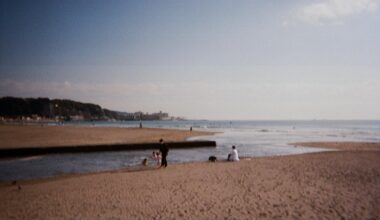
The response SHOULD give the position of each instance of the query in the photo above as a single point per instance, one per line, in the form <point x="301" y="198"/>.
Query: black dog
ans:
<point x="212" y="158"/>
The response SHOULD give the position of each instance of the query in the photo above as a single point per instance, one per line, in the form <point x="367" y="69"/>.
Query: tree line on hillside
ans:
<point x="63" y="109"/>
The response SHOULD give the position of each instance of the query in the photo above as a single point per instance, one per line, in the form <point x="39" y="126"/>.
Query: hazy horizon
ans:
<point x="215" y="60"/>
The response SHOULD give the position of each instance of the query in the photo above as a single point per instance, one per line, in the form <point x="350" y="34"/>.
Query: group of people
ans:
<point x="160" y="156"/>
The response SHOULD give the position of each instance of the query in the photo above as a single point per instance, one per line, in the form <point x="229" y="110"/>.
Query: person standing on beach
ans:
<point x="164" y="153"/>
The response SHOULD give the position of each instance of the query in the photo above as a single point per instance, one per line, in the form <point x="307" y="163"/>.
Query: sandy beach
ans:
<point x="341" y="184"/>
<point x="20" y="136"/>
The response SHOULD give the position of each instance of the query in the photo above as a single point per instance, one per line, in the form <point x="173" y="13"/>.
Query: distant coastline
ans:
<point x="14" y="110"/>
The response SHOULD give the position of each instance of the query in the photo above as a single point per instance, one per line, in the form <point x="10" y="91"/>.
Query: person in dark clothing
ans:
<point x="164" y="152"/>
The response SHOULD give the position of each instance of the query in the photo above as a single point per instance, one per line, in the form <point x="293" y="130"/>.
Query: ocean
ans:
<point x="252" y="139"/>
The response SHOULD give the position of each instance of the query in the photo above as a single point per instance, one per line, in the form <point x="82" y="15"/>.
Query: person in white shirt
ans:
<point x="233" y="156"/>
<point x="156" y="156"/>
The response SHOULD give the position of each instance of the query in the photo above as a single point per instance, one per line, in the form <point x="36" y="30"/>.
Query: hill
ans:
<point x="64" y="109"/>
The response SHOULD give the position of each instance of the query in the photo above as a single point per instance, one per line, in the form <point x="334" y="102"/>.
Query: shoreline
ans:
<point x="338" y="147"/>
<point x="341" y="145"/>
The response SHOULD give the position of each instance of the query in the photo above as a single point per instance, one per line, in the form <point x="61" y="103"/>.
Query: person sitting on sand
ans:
<point x="164" y="153"/>
<point x="156" y="156"/>
<point x="233" y="156"/>
<point x="145" y="162"/>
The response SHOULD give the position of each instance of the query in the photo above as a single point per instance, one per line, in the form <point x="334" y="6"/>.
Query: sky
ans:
<point x="199" y="59"/>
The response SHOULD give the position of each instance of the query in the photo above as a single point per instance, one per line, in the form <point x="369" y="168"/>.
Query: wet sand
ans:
<point x="21" y="136"/>
<point x="327" y="185"/>
<point x="351" y="146"/>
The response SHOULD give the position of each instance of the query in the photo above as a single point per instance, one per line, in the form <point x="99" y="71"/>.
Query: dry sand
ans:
<point x="328" y="185"/>
<point x="20" y="136"/>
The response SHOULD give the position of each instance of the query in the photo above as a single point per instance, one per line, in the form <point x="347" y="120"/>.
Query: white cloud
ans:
<point x="331" y="12"/>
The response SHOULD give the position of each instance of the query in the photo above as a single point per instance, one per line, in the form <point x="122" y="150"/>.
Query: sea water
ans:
<point x="252" y="139"/>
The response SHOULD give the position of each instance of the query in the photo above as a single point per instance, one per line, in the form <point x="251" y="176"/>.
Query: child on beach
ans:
<point x="157" y="157"/>
<point x="145" y="162"/>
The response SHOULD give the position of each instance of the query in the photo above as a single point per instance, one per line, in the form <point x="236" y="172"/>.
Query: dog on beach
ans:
<point x="212" y="158"/>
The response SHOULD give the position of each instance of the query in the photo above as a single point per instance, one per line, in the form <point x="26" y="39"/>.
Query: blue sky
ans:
<point x="315" y="59"/>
